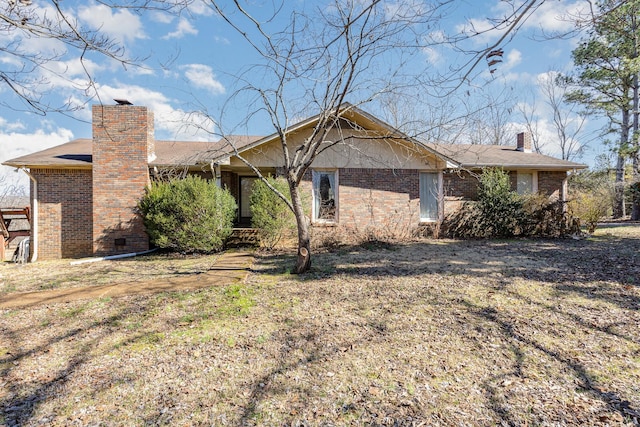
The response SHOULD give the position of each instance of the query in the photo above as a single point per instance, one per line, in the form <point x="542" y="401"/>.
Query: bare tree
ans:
<point x="531" y="117"/>
<point x="568" y="121"/>
<point x="488" y="118"/>
<point x="346" y="51"/>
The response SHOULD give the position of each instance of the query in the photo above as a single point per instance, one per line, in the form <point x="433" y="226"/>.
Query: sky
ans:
<point x="191" y="62"/>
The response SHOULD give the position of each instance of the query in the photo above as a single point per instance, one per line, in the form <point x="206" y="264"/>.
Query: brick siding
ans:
<point x="376" y="197"/>
<point x="551" y="183"/>
<point x="460" y="186"/>
<point x="64" y="214"/>
<point x="122" y="141"/>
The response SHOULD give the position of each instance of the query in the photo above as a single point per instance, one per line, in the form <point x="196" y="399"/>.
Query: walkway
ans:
<point x="230" y="268"/>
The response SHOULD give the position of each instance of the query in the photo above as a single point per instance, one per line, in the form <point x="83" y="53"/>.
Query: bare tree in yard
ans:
<point x="347" y="51"/>
<point x="27" y="69"/>
<point x="568" y="121"/>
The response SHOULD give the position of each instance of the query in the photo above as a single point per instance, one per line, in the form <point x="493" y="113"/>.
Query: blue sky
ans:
<point x="192" y="62"/>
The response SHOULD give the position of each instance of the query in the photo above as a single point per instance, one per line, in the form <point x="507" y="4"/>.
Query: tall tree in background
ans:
<point x="567" y="121"/>
<point x="607" y="82"/>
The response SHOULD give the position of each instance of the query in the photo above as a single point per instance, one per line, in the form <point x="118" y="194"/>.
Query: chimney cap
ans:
<point x="123" y="102"/>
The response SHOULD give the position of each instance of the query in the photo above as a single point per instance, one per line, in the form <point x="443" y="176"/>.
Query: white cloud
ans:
<point x="184" y="27"/>
<point x="16" y="144"/>
<point x="202" y="76"/>
<point x="161" y="17"/>
<point x="433" y="56"/>
<point x="481" y="31"/>
<point x="170" y="122"/>
<point x="552" y="16"/>
<point x="221" y="40"/>
<point x="121" y="24"/>
<point x="514" y="57"/>
<point x="200" y="7"/>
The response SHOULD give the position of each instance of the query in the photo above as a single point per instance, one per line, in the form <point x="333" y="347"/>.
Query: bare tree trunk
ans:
<point x="303" y="261"/>
<point x="635" y="136"/>
<point x="618" y="200"/>
<point x="619" y="210"/>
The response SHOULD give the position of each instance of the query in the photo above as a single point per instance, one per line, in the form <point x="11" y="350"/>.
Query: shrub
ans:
<point x="545" y="217"/>
<point x="270" y="214"/>
<point x="501" y="209"/>
<point x="497" y="213"/>
<point x="589" y="207"/>
<point x="501" y="212"/>
<point x="188" y="215"/>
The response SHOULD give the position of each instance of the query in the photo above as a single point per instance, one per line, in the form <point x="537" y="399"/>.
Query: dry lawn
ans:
<point x="518" y="332"/>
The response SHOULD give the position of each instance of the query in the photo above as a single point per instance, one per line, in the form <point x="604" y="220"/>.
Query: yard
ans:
<point x="440" y="332"/>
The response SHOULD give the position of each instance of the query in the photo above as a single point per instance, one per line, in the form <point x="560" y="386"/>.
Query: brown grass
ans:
<point x="518" y="332"/>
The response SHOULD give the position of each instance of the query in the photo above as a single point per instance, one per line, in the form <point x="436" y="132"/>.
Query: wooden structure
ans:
<point x="8" y="229"/>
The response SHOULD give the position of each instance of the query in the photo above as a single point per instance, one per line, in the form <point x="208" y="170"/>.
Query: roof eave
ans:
<point x="45" y="166"/>
<point x="536" y="166"/>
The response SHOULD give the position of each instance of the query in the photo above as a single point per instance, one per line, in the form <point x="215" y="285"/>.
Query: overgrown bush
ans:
<point x="592" y="195"/>
<point x="590" y="207"/>
<point x="501" y="212"/>
<point x="188" y="215"/>
<point x="498" y="211"/>
<point x="545" y="217"/>
<point x="270" y="214"/>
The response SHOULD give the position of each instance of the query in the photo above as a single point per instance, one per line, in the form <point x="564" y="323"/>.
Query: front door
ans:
<point x="244" y="215"/>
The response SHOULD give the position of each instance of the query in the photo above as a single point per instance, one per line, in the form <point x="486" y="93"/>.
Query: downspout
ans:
<point x="34" y="217"/>
<point x="217" y="173"/>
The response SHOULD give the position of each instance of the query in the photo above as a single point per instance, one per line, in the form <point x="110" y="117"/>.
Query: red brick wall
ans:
<point x="460" y="185"/>
<point x="550" y="183"/>
<point x="64" y="213"/>
<point x="122" y="140"/>
<point x="377" y="197"/>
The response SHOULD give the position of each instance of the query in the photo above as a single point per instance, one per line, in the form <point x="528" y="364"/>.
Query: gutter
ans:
<point x="540" y="167"/>
<point x="34" y="217"/>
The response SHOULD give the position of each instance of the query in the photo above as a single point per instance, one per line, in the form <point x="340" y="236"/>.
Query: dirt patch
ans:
<point x="168" y="273"/>
<point x="517" y="332"/>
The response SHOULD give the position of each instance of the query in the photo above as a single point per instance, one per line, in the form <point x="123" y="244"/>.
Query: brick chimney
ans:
<point x="123" y="145"/>
<point x="524" y="142"/>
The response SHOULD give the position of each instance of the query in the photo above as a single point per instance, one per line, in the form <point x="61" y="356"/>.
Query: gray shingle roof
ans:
<point x="478" y="156"/>
<point x="77" y="153"/>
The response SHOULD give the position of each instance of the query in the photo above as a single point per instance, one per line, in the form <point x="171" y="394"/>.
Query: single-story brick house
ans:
<point x="84" y="192"/>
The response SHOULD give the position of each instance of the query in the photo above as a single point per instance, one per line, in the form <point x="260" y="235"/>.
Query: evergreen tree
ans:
<point x="607" y="83"/>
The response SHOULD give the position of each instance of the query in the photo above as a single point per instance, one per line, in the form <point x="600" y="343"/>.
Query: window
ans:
<point x="325" y="196"/>
<point x="428" y="196"/>
<point x="526" y="183"/>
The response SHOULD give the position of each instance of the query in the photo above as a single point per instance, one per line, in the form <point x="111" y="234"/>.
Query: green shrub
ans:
<point x="501" y="209"/>
<point x="501" y="212"/>
<point x="498" y="212"/>
<point x="188" y="215"/>
<point x="270" y="214"/>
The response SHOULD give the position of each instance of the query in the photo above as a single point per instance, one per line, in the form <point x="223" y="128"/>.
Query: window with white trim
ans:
<point x="325" y="195"/>
<point x="429" y="196"/>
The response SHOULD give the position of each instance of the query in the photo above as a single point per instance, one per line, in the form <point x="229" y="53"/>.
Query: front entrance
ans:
<point x="244" y="196"/>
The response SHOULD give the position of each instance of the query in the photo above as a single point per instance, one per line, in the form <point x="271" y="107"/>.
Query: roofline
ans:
<point x="46" y="166"/>
<point x="526" y="166"/>
<point x="348" y="107"/>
